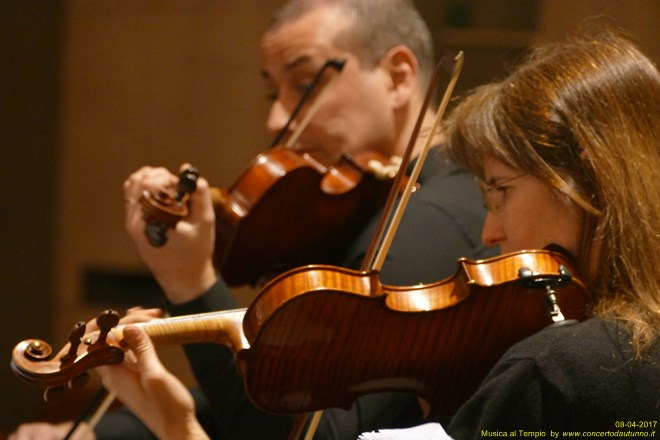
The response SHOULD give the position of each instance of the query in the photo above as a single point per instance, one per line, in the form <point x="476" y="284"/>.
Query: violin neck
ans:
<point x="224" y="327"/>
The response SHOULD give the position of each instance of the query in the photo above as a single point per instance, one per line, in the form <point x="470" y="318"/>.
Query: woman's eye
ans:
<point x="501" y="190"/>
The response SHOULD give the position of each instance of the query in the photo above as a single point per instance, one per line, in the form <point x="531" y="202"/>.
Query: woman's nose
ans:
<point x="492" y="233"/>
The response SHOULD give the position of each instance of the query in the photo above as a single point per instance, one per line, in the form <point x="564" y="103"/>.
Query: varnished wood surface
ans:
<point x="223" y="327"/>
<point x="320" y="336"/>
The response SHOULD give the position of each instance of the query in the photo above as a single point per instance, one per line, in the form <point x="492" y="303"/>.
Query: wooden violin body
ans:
<point x="346" y="335"/>
<point x="284" y="211"/>
<point x="320" y="336"/>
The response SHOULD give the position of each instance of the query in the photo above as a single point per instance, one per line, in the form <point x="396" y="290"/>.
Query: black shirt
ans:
<point x="573" y="378"/>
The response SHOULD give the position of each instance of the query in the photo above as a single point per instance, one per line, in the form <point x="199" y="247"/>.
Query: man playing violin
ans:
<point x="372" y="106"/>
<point x="567" y="150"/>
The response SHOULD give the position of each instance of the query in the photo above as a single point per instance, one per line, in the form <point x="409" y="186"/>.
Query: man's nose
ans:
<point x="278" y="116"/>
<point x="492" y="233"/>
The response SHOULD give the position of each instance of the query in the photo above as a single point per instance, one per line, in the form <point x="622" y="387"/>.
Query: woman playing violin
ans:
<point x="567" y="152"/>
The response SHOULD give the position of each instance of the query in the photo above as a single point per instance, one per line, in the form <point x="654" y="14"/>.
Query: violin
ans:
<point x="319" y="336"/>
<point x="334" y="334"/>
<point x="285" y="210"/>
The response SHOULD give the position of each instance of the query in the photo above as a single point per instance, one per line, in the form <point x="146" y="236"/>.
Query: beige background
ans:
<point x="94" y="89"/>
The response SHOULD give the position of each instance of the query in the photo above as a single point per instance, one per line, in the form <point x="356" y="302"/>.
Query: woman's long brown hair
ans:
<point x="583" y="116"/>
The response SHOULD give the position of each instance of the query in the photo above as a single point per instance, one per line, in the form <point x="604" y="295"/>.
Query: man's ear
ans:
<point x="403" y="69"/>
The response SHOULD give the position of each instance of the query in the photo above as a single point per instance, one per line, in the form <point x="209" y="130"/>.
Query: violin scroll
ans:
<point x="164" y="209"/>
<point x="34" y="362"/>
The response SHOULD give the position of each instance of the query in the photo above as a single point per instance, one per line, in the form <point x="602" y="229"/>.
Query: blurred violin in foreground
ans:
<point x="285" y="210"/>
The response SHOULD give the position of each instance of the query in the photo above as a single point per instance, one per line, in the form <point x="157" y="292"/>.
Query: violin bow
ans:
<point x="386" y="231"/>
<point x="336" y="64"/>
<point x="108" y="398"/>
<point x="393" y="212"/>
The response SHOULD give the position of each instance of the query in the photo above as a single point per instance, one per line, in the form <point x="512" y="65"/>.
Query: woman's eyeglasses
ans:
<point x="494" y="192"/>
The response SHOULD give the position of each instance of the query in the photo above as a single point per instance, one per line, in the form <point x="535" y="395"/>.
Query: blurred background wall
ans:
<point x="94" y="89"/>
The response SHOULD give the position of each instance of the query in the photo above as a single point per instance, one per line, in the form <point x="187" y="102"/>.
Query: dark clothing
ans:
<point x="442" y="222"/>
<point x="122" y="424"/>
<point x="574" y="377"/>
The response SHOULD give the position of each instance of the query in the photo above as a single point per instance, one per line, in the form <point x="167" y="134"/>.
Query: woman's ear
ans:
<point x="401" y="65"/>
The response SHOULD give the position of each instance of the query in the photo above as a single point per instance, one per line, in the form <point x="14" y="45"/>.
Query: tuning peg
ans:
<point x="75" y="337"/>
<point x="187" y="182"/>
<point x="106" y="321"/>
